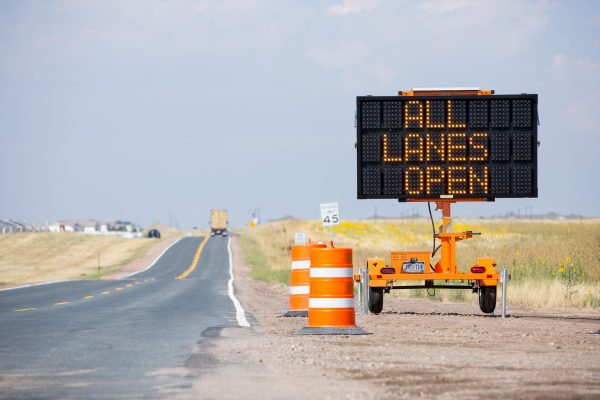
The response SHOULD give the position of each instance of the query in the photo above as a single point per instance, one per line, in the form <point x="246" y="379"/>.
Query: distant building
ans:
<point x="6" y="227"/>
<point x="89" y="226"/>
<point x="15" y="225"/>
<point x="73" y="226"/>
<point x="54" y="227"/>
<point x="92" y="227"/>
<point x="18" y="225"/>
<point x="67" y="226"/>
<point x="123" y="226"/>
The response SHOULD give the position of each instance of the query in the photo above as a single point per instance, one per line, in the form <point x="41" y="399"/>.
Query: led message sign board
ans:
<point x="447" y="146"/>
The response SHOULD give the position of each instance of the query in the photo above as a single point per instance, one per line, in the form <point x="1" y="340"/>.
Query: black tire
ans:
<point x="375" y="299"/>
<point x="487" y="299"/>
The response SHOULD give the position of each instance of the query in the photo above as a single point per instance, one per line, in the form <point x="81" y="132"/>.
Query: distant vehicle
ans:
<point x="218" y="222"/>
<point x="154" y="233"/>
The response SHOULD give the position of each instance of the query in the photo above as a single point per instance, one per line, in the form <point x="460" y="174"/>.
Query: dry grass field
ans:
<point x="554" y="263"/>
<point x="41" y="257"/>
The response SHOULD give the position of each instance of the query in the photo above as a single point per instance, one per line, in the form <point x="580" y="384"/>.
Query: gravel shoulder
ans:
<point x="417" y="348"/>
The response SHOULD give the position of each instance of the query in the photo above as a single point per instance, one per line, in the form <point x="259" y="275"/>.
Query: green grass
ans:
<point x="458" y="295"/>
<point x="259" y="265"/>
<point x="538" y="254"/>
<point x="96" y="275"/>
<point x="591" y="300"/>
<point x="138" y="252"/>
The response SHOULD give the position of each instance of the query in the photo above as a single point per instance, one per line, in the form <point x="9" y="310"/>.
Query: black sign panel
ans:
<point x="428" y="147"/>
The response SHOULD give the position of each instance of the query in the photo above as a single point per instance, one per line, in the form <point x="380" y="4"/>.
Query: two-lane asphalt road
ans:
<point x="109" y="339"/>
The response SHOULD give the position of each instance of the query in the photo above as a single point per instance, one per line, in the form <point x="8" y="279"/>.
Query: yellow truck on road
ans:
<point x="218" y="222"/>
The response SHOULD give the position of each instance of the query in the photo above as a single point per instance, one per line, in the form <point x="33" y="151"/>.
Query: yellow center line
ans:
<point x="129" y="285"/>
<point x="118" y="289"/>
<point x="24" y="309"/>
<point x="107" y="292"/>
<point x="88" y="297"/>
<point x="60" y="303"/>
<point x="194" y="263"/>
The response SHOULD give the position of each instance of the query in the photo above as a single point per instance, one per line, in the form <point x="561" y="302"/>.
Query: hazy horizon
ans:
<point x="150" y="111"/>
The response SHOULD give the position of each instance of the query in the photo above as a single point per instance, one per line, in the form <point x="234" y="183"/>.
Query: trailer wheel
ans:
<point x="375" y="299"/>
<point x="487" y="299"/>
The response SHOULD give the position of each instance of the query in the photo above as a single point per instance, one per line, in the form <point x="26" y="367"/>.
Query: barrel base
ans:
<point x="332" y="331"/>
<point x="293" y="313"/>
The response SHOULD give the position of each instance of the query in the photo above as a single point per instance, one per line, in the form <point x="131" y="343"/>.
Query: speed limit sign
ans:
<point x="330" y="214"/>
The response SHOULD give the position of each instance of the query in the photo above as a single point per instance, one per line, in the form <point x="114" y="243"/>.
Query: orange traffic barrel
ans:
<point x="300" y="279"/>
<point x="331" y="301"/>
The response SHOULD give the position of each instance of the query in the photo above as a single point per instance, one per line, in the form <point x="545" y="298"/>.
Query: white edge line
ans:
<point x="240" y="315"/>
<point x="157" y="258"/>
<point x="33" y="284"/>
<point x="71" y="280"/>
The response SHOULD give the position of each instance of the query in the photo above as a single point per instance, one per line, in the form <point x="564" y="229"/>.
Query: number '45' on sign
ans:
<point x="330" y="214"/>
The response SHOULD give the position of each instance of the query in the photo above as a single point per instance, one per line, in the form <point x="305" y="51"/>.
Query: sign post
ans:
<point x="330" y="216"/>
<point x="300" y="238"/>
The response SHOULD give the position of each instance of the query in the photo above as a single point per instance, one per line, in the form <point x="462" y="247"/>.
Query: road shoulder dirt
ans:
<point x="121" y="271"/>
<point x="417" y="348"/>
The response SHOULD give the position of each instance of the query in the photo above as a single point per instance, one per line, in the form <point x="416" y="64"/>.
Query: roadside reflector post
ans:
<point x="362" y="278"/>
<point x="358" y="279"/>
<point x="504" y="280"/>
<point x="331" y="302"/>
<point x="365" y="288"/>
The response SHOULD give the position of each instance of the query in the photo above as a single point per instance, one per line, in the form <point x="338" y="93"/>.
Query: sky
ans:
<point x="161" y="110"/>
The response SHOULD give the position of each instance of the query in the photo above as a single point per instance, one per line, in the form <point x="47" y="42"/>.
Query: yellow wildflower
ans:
<point x="590" y="291"/>
<point x="569" y="259"/>
<point x="561" y="269"/>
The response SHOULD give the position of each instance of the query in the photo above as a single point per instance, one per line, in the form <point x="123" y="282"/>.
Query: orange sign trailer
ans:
<point x="482" y="277"/>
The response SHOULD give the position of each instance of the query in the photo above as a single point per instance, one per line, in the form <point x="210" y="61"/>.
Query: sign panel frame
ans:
<point x="500" y="118"/>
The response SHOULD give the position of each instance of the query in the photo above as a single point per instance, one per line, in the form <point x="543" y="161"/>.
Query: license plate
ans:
<point x="413" y="267"/>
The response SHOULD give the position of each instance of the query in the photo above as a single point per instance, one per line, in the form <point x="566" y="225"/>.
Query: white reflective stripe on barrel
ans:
<point x="301" y="264"/>
<point x="331" y="303"/>
<point x="331" y="272"/>
<point x="299" y="289"/>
